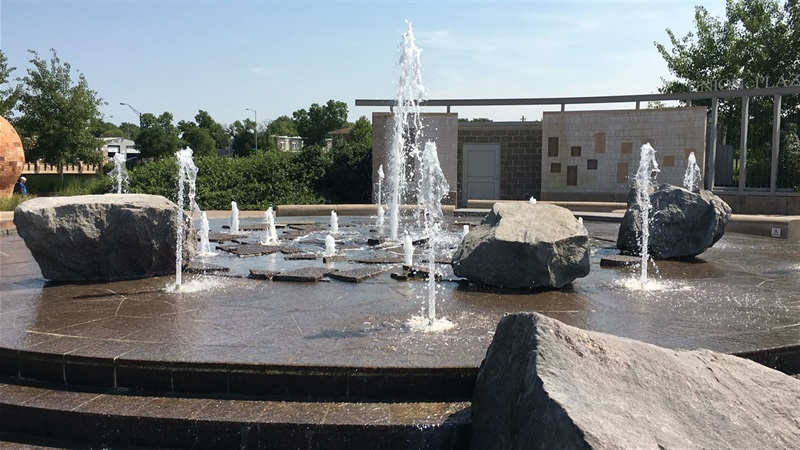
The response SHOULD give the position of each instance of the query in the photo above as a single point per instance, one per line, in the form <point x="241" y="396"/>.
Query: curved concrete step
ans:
<point x="263" y="380"/>
<point x="117" y="418"/>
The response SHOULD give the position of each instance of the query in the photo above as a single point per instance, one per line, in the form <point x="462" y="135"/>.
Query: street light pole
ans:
<point x="136" y="111"/>
<point x="256" y="128"/>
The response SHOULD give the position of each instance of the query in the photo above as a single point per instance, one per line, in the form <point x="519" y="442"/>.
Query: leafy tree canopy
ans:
<point x="244" y="141"/>
<point x="315" y="124"/>
<point x="215" y="130"/>
<point x="8" y="95"/>
<point x="282" y="126"/>
<point x="131" y="130"/>
<point x="159" y="137"/>
<point x="57" y="114"/>
<point x="758" y="38"/>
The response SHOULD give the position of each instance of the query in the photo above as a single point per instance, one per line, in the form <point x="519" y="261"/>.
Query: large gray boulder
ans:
<point x="683" y="224"/>
<point x="547" y="385"/>
<point x="519" y="245"/>
<point x="102" y="237"/>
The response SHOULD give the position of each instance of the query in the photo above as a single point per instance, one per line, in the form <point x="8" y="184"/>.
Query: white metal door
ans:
<point x="481" y="171"/>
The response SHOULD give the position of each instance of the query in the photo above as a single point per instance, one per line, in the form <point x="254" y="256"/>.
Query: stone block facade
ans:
<point x="441" y="128"/>
<point x="520" y="156"/>
<point x="593" y="155"/>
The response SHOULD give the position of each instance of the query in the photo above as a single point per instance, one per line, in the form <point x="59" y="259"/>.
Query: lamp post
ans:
<point x="256" y="128"/>
<point x="136" y="111"/>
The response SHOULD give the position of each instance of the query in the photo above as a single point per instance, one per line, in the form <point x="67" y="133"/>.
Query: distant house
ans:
<point x="337" y="137"/>
<point x="114" y="145"/>
<point x="289" y="143"/>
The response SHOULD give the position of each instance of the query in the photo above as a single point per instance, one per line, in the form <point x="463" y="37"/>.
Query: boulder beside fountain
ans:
<point x="102" y="237"/>
<point x="683" y="224"/>
<point x="523" y="246"/>
<point x="545" y="384"/>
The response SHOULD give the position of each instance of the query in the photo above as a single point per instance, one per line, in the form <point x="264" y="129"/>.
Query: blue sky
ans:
<point x="280" y="56"/>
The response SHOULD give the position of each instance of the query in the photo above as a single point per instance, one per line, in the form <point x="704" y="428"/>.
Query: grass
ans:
<point x="9" y="203"/>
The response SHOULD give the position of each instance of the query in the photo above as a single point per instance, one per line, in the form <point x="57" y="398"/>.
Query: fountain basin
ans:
<point x="240" y="335"/>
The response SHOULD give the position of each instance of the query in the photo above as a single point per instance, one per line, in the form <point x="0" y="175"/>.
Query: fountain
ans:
<point x="120" y="173"/>
<point x="691" y="179"/>
<point x="187" y="175"/>
<point x="532" y="201"/>
<point x="234" y="218"/>
<point x="379" y="199"/>
<point x="645" y="178"/>
<point x="334" y="222"/>
<point x="204" y="246"/>
<point x="270" y="236"/>
<point x="408" y="250"/>
<point x="407" y="128"/>
<point x="330" y="245"/>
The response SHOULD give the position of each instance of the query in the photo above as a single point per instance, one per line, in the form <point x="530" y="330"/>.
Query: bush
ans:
<point x="10" y="203"/>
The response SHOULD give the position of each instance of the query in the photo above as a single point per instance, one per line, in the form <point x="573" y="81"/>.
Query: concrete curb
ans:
<point x="782" y="227"/>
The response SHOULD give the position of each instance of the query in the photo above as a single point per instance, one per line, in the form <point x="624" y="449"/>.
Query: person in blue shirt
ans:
<point x="19" y="187"/>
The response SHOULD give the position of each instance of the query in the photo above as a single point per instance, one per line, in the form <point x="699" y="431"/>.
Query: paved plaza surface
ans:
<point x="741" y="295"/>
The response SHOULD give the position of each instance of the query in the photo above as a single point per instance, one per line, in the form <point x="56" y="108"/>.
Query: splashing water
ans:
<point x="407" y="126"/>
<point x="645" y="178"/>
<point x="234" y="218"/>
<point x="204" y="247"/>
<point x="187" y="175"/>
<point x="408" y="250"/>
<point x="120" y="173"/>
<point x="692" y="178"/>
<point x="270" y="232"/>
<point x="330" y="245"/>
<point x="334" y="222"/>
<point x="379" y="199"/>
<point x="532" y="201"/>
<point x="464" y="231"/>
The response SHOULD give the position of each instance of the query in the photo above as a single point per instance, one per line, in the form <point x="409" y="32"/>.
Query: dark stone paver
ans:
<point x="304" y="274"/>
<point x="375" y="241"/>
<point x="333" y="258"/>
<point x="289" y="250"/>
<point x="250" y="250"/>
<point x="224" y="237"/>
<point x="262" y="274"/>
<point x="299" y="256"/>
<point x="201" y="267"/>
<point x="305" y="227"/>
<point x="356" y="275"/>
<point x="620" y="261"/>
<point x="389" y="259"/>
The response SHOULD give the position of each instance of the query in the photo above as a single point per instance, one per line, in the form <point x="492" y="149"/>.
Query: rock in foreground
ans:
<point x="544" y="384"/>
<point x="523" y="246"/>
<point x="683" y="223"/>
<point x="102" y="237"/>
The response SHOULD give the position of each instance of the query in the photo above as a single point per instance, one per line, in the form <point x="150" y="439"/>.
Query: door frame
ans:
<point x="465" y="169"/>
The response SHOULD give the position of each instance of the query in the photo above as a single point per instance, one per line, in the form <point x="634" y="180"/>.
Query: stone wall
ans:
<point x="441" y="128"/>
<point x="520" y="156"/>
<point x="593" y="155"/>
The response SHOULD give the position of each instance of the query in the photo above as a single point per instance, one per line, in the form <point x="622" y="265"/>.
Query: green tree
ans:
<point x="757" y="41"/>
<point x="198" y="139"/>
<point x="102" y="129"/>
<point x="315" y="124"/>
<point x="349" y="177"/>
<point x="244" y="141"/>
<point x="158" y="137"/>
<point x="131" y="130"/>
<point x="9" y="95"/>
<point x="57" y="114"/>
<point x="215" y="130"/>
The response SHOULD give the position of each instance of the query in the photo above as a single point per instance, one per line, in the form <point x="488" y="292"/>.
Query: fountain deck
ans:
<point x="743" y="295"/>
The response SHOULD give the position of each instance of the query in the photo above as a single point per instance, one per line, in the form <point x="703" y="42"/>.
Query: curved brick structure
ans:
<point x="12" y="157"/>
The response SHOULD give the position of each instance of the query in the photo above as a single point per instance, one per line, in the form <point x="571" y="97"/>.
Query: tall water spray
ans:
<point x="379" y="200"/>
<point x="433" y="187"/>
<point x="407" y="131"/>
<point x="120" y="173"/>
<point x="330" y="245"/>
<point x="234" y="218"/>
<point x="334" y="222"/>
<point x="270" y="233"/>
<point x="187" y="175"/>
<point x="645" y="178"/>
<point x="692" y="178"/>
<point x="204" y="247"/>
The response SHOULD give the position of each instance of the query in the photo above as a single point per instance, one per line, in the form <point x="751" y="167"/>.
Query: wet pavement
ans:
<point x="741" y="295"/>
